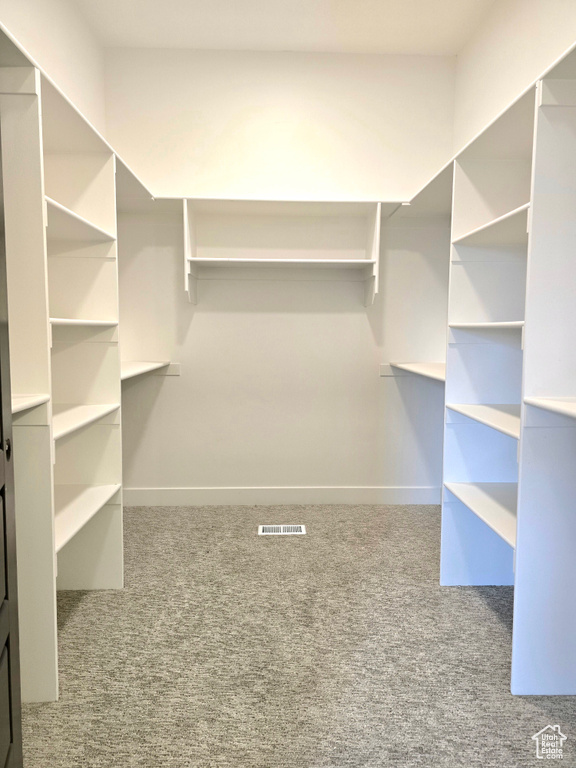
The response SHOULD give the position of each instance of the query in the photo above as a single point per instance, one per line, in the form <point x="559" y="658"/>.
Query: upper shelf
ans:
<point x="494" y="503"/>
<point x="131" y="368"/>
<point x="503" y="417"/>
<point x="435" y="371"/>
<point x="566" y="406"/>
<point x="508" y="230"/>
<point x="64" y="224"/>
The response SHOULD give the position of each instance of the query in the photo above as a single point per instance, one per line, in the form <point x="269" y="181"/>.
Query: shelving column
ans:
<point x="543" y="656"/>
<point x="484" y="356"/>
<point x="31" y="382"/>
<point x="85" y="359"/>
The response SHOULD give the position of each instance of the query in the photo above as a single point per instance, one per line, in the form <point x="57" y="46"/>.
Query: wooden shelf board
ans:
<point x="495" y="325"/>
<point x="69" y="418"/>
<point x="566" y="406"/>
<point x="507" y="230"/>
<point x="64" y="321"/>
<point x="494" y="503"/>
<point x="327" y="263"/>
<point x="435" y="371"/>
<point x="131" y="368"/>
<point x="25" y="402"/>
<point x="64" y="224"/>
<point x="503" y="417"/>
<point x="75" y="505"/>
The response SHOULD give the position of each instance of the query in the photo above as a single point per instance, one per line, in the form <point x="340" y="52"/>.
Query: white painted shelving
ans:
<point x="435" y="371"/>
<point x="67" y="321"/>
<point x="65" y="224"/>
<point x="565" y="406"/>
<point x="230" y="234"/>
<point x="76" y="505"/>
<point x="69" y="418"/>
<point x="494" y="503"/>
<point x="132" y="368"/>
<point x="22" y="403"/>
<point x="502" y="417"/>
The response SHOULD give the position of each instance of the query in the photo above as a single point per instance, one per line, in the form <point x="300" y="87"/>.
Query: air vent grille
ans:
<point x="281" y="530"/>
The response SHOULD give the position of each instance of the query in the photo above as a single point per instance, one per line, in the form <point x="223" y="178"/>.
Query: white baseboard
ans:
<point x="176" y="497"/>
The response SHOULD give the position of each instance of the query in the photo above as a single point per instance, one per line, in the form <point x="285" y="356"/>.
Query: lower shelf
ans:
<point x="435" y="371"/>
<point x="494" y="503"/>
<point x="75" y="505"/>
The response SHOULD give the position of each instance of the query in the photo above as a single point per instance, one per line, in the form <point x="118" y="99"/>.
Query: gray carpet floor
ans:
<point x="334" y="649"/>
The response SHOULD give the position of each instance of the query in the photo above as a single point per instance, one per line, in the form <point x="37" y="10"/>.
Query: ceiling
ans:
<point x="427" y="27"/>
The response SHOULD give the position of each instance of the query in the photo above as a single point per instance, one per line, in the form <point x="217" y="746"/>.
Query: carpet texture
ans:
<point x="334" y="649"/>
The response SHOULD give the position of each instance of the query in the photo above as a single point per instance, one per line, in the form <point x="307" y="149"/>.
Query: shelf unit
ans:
<point x="463" y="243"/>
<point x="488" y="276"/>
<point x="63" y="270"/>
<point x="287" y="235"/>
<point x="415" y="267"/>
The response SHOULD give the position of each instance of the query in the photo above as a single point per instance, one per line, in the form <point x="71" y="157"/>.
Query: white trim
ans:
<point x="174" y="497"/>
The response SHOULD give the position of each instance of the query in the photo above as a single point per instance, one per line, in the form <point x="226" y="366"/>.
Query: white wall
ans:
<point x="516" y="42"/>
<point x="57" y="36"/>
<point x="280" y="125"/>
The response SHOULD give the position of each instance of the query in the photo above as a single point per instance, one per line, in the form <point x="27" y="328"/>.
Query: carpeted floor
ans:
<point x="229" y="650"/>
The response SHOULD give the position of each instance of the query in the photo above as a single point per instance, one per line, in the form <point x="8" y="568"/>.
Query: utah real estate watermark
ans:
<point x="550" y="743"/>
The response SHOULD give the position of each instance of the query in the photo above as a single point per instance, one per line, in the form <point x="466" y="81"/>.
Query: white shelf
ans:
<point x="435" y="371"/>
<point x="494" y="503"/>
<point x="566" y="406"/>
<point x="489" y="326"/>
<point x="503" y="417"/>
<point x="64" y="224"/>
<point x="75" y="505"/>
<point x="507" y="230"/>
<point x="65" y="321"/>
<point x="25" y="402"/>
<point x="69" y="418"/>
<point x="131" y="368"/>
<point x="327" y="263"/>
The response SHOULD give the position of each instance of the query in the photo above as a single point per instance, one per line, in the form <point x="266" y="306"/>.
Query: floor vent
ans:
<point x="281" y="530"/>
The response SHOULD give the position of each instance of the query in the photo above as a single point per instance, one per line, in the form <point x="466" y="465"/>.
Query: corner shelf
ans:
<point x="25" y="402"/>
<point x="503" y="417"/>
<point x="65" y="321"/>
<point x="509" y="229"/>
<point x="75" y="505"/>
<point x="131" y="368"/>
<point x="436" y="371"/>
<point x="565" y="406"/>
<point x="494" y="503"/>
<point x="69" y="418"/>
<point x="64" y="224"/>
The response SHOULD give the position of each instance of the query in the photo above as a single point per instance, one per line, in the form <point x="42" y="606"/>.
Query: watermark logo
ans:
<point x="550" y="743"/>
